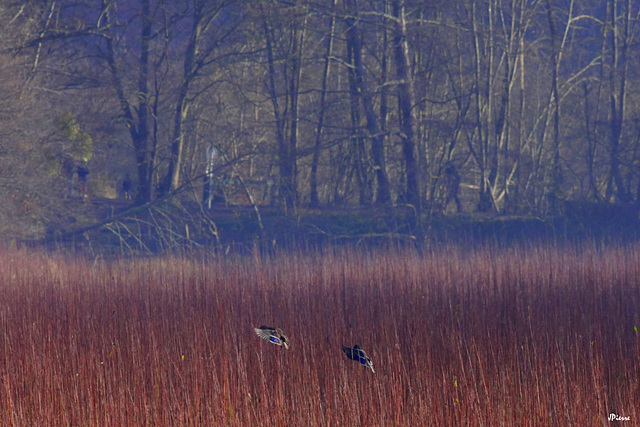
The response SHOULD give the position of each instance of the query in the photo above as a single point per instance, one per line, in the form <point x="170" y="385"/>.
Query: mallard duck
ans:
<point x="357" y="353"/>
<point x="273" y="335"/>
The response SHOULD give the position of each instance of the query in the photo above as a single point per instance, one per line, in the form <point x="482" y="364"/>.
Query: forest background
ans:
<point x="415" y="109"/>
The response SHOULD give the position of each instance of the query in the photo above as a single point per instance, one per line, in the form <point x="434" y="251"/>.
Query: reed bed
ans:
<point x="529" y="337"/>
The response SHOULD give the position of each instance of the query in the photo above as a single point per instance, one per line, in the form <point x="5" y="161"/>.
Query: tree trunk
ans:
<point x="485" y="199"/>
<point x="555" y="176"/>
<point x="383" y="196"/>
<point x="365" y="184"/>
<point x="286" y="118"/>
<point x="201" y="19"/>
<point x="313" y="179"/>
<point x="618" y="81"/>
<point x="405" y="105"/>
<point x="138" y="126"/>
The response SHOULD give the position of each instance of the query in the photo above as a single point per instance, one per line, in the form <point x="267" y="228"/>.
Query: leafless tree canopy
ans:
<point x="503" y="106"/>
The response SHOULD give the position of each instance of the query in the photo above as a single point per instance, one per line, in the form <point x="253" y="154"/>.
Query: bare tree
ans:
<point x="284" y="40"/>
<point x="330" y="36"/>
<point x="555" y="172"/>
<point x="405" y="104"/>
<point x="212" y="26"/>
<point x="620" y="15"/>
<point x="354" y="41"/>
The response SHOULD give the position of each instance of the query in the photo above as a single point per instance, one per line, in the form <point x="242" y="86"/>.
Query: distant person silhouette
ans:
<point x="83" y="174"/>
<point x="126" y="187"/>
<point x="68" y="167"/>
<point x="452" y="186"/>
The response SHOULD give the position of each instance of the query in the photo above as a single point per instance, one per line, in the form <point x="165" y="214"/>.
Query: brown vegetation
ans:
<point x="538" y="336"/>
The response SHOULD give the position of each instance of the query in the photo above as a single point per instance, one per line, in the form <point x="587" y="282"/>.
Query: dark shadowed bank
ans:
<point x="180" y="226"/>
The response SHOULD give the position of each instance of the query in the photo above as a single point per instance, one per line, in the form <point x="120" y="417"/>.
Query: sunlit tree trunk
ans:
<point x="553" y="189"/>
<point x="203" y="14"/>
<point x="483" y="112"/>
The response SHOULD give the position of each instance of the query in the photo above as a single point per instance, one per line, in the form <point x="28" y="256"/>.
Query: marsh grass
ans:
<point x="530" y="337"/>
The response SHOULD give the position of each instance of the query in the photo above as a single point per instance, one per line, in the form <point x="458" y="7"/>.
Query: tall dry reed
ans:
<point x="530" y="337"/>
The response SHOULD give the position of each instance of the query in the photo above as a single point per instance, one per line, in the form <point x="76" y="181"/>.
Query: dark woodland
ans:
<point x="202" y="122"/>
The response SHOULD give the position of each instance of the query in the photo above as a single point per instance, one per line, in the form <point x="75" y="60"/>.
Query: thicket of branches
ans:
<point x="491" y="106"/>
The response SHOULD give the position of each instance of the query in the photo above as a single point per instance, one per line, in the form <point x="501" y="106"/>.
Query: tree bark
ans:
<point x="286" y="118"/>
<point x="383" y="195"/>
<point x="313" y="179"/>
<point x="405" y="105"/>
<point x="359" y="156"/>
<point x="138" y="126"/>
<point x="555" y="174"/>
<point x="618" y="95"/>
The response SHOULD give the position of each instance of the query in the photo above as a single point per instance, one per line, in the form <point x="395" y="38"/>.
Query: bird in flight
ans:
<point x="273" y="335"/>
<point x="357" y="353"/>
